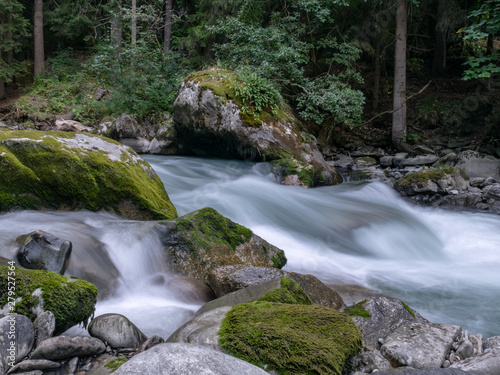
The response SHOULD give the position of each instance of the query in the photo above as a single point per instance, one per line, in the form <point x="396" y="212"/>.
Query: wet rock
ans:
<point x="386" y="161"/>
<point x="419" y="345"/>
<point x="484" y="364"/>
<point x="186" y="359"/>
<point x="365" y="161"/>
<point x="149" y="343"/>
<point x="34" y="364"/>
<point x="64" y="347"/>
<point x="44" y="251"/>
<point x="16" y="339"/>
<point x="387" y="314"/>
<point x="117" y="331"/>
<point x="492" y="192"/>
<point x="204" y="240"/>
<point x="419" y="160"/>
<point x="208" y="121"/>
<point x="343" y="161"/>
<point x="190" y="290"/>
<point x="45" y="325"/>
<point x="465" y="350"/>
<point x="477" y="343"/>
<point x="476" y="181"/>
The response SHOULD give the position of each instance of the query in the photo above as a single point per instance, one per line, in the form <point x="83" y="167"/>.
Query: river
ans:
<point x="442" y="263"/>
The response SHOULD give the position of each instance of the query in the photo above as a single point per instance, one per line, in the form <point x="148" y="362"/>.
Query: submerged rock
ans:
<point x="210" y="119"/>
<point x="117" y="331"/>
<point x="204" y="240"/>
<point x="44" y="251"/>
<point x="186" y="359"/>
<point x="54" y="170"/>
<point x="72" y="301"/>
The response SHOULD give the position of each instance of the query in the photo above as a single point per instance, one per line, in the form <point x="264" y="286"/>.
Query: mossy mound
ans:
<point x="72" y="301"/>
<point x="290" y="293"/>
<point x="432" y="174"/>
<point x="358" y="310"/>
<point x="290" y="339"/>
<point x="72" y="171"/>
<point x="201" y="241"/>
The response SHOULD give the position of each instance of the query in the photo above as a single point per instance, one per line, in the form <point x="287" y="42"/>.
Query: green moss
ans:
<point x="71" y="301"/>
<point x="288" y="166"/>
<point x="290" y="339"/>
<point x="39" y="171"/>
<point x="115" y="364"/>
<point x="408" y="308"/>
<point x="290" y="292"/>
<point x="279" y="260"/>
<point x="358" y="310"/>
<point x="206" y="227"/>
<point x="433" y="174"/>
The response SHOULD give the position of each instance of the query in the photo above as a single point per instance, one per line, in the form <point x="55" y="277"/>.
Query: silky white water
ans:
<point x="443" y="264"/>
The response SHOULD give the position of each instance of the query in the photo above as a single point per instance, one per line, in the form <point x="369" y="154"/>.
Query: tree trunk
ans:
<point x="167" y="35"/>
<point x="38" y="36"/>
<point x="439" y="60"/>
<point x="399" y="103"/>
<point x="2" y="89"/>
<point x="489" y="45"/>
<point x="377" y="73"/>
<point x="133" y="31"/>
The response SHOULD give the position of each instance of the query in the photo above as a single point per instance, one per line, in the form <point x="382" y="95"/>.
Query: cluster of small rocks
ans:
<point x="473" y="182"/>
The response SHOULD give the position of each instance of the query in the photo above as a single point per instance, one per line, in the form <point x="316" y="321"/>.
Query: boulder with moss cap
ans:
<point x="211" y="119"/>
<point x="203" y="240"/>
<point x="72" y="301"/>
<point x="72" y="171"/>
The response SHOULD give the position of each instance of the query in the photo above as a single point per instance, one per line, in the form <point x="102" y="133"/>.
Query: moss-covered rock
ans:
<point x="290" y="292"/>
<point x="72" y="301"/>
<point x="211" y="119"/>
<point x="442" y="179"/>
<point x="60" y="170"/>
<point x="290" y="339"/>
<point x="201" y="241"/>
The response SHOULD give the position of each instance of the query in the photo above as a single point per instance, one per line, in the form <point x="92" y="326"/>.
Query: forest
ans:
<point x="396" y="72"/>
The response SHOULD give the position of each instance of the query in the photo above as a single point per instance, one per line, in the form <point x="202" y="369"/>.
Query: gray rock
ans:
<point x="16" y="339"/>
<point x="35" y="364"/>
<point x="419" y="160"/>
<point x="228" y="279"/>
<point x="386" y="161"/>
<point x="35" y="372"/>
<point x="70" y="126"/>
<point x="149" y="343"/>
<point x="44" y="251"/>
<point x="492" y="192"/>
<point x="117" y="331"/>
<point x="478" y="165"/>
<point x="477" y="342"/>
<point x="70" y="367"/>
<point x="370" y="360"/>
<point x="420" y="345"/>
<point x="488" y="181"/>
<point x="366" y="161"/>
<point x="398" y="159"/>
<point x="45" y="325"/>
<point x="492" y="343"/>
<point x="202" y="329"/>
<point x="343" y="161"/>
<point x="437" y="371"/>
<point x="484" y="364"/>
<point x="98" y="365"/>
<point x="186" y="359"/>
<point x="465" y="350"/>
<point x="64" y="347"/>
<point x="387" y="314"/>
<point x="476" y="181"/>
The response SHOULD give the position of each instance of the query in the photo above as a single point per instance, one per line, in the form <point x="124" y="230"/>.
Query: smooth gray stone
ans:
<point x="17" y="336"/>
<point x="186" y="359"/>
<point x="492" y="343"/>
<point x="437" y="371"/>
<point x="117" y="331"/>
<point x="420" y="345"/>
<point x="45" y="325"/>
<point x="64" y="347"/>
<point x="34" y="364"/>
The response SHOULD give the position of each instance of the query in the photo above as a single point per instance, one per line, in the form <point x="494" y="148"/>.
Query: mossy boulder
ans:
<point x="72" y="171"/>
<point x="211" y="119"/>
<point x="203" y="240"/>
<point x="72" y="301"/>
<point x="291" y="339"/>
<point x="442" y="179"/>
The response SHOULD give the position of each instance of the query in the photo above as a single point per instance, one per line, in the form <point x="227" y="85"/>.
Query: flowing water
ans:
<point x="442" y="263"/>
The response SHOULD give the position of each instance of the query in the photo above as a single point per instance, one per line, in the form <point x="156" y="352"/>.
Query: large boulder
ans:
<point x="479" y="165"/>
<point x="58" y="170"/>
<point x="485" y="364"/>
<point x="65" y="347"/>
<point x="228" y="279"/>
<point x="204" y="240"/>
<point x="186" y="359"/>
<point x="420" y="345"/>
<point x="211" y="119"/>
<point x="44" y="251"/>
<point x="72" y="301"/>
<point x="436" y="371"/>
<point x="117" y="331"/>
